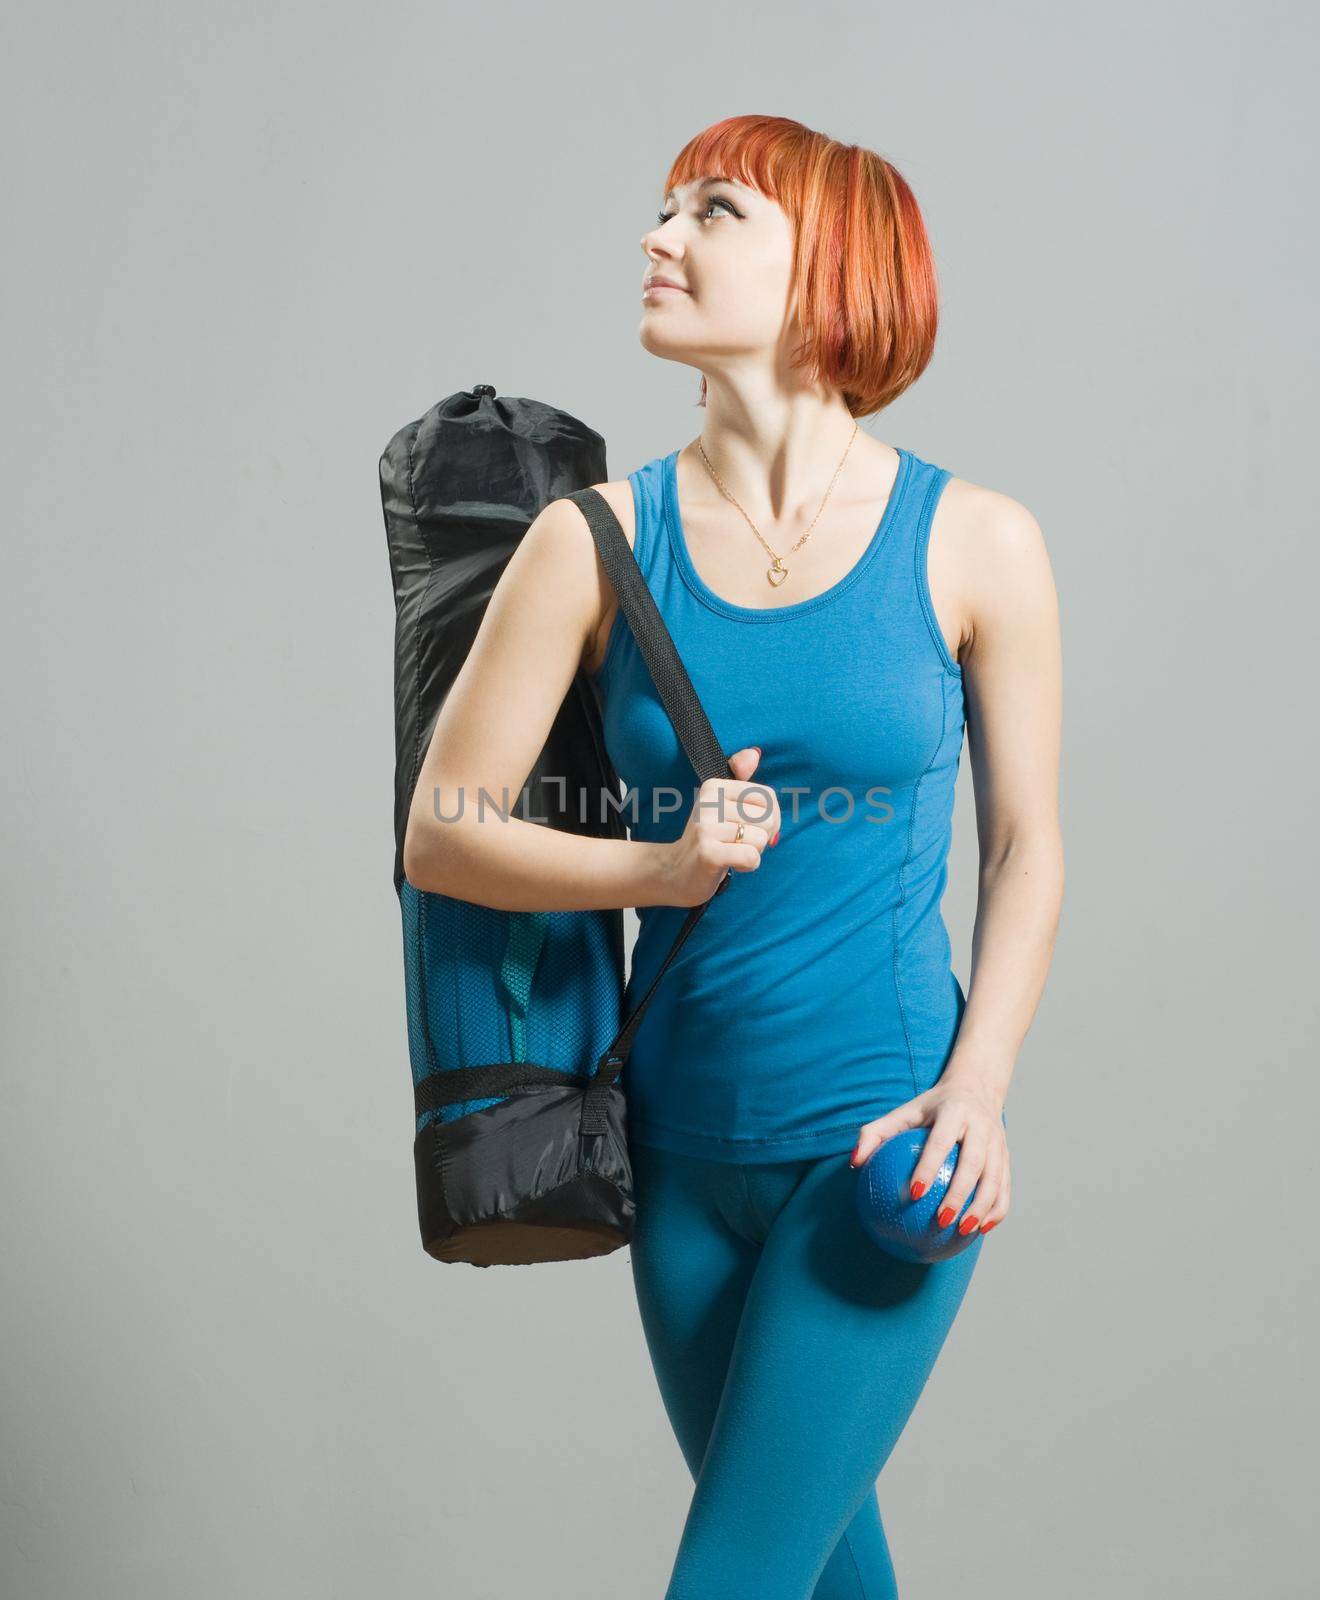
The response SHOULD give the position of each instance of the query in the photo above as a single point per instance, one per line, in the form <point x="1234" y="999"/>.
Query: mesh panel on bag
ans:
<point x="485" y="985"/>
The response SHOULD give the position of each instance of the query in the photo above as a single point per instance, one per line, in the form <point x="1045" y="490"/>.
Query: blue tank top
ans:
<point x="816" y="993"/>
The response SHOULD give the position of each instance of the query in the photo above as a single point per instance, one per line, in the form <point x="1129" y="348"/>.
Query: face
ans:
<point x="730" y="250"/>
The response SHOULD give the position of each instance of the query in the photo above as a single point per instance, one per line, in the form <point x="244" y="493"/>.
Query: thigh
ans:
<point x="834" y="1344"/>
<point x="691" y="1267"/>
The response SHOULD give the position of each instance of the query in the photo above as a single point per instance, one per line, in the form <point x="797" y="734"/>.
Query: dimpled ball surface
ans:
<point x="901" y="1226"/>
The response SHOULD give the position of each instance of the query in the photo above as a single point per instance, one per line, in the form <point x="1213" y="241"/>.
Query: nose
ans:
<point x="657" y="260"/>
<point x="655" y="247"/>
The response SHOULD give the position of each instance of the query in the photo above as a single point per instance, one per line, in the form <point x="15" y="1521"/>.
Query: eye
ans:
<point x="711" y="200"/>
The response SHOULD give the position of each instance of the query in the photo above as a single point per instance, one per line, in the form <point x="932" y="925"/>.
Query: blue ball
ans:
<point x="901" y="1226"/>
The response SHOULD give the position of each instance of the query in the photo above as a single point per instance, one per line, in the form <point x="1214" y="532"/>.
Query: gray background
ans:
<point x="246" y="244"/>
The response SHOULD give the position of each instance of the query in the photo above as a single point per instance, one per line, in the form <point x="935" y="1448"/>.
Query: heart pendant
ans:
<point x="777" y="573"/>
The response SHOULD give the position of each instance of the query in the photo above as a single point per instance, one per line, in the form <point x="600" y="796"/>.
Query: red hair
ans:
<point x="868" y="300"/>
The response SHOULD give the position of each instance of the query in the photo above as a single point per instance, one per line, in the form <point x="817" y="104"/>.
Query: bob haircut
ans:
<point x="868" y="299"/>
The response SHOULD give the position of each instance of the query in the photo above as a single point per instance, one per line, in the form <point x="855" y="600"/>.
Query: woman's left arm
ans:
<point x="1012" y="681"/>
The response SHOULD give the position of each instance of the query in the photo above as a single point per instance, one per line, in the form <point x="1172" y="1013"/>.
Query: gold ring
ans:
<point x="738" y="836"/>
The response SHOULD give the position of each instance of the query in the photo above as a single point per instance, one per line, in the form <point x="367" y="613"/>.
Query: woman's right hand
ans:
<point x="706" y="851"/>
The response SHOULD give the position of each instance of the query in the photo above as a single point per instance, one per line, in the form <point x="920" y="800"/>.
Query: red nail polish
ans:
<point x="775" y="840"/>
<point x="967" y="1223"/>
<point x="918" y="1188"/>
<point x="945" y="1217"/>
<point x="990" y="1225"/>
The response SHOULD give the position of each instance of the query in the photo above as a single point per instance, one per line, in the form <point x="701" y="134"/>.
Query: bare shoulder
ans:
<point x="565" y="532"/>
<point x="559" y="534"/>
<point x="987" y="555"/>
<point x="561" y="520"/>
<point x="983" y="526"/>
<point x="618" y="495"/>
<point x="989" y="569"/>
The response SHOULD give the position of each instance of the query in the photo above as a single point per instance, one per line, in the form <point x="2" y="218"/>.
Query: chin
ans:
<point x="652" y="336"/>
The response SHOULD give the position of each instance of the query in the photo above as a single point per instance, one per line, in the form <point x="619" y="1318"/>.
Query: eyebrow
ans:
<point x="702" y="182"/>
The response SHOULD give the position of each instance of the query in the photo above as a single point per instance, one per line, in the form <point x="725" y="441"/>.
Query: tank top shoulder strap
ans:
<point x="918" y="487"/>
<point x="911" y="546"/>
<point x="648" y="512"/>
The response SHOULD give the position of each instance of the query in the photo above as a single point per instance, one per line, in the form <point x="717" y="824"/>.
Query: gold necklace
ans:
<point x="776" y="572"/>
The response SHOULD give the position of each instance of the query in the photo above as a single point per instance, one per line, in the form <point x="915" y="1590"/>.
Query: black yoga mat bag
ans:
<point x="516" y="1032"/>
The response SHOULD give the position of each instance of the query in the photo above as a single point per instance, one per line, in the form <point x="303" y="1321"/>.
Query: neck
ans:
<point x="777" y="452"/>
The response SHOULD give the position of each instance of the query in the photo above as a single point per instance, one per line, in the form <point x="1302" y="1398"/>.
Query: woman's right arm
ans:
<point x="493" y="725"/>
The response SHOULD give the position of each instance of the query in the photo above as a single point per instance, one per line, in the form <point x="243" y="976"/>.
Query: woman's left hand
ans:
<point x="960" y="1110"/>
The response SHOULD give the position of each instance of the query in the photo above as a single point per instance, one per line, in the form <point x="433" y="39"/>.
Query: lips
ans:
<point x="662" y="283"/>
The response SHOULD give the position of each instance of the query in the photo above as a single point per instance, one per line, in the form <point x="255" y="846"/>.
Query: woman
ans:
<point x="843" y="607"/>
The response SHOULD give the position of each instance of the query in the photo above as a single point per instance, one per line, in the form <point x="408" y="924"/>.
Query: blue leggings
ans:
<point x="789" y="1351"/>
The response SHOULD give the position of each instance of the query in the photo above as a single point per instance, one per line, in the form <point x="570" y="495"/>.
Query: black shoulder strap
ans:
<point x="653" y="638"/>
<point x="680" y="701"/>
